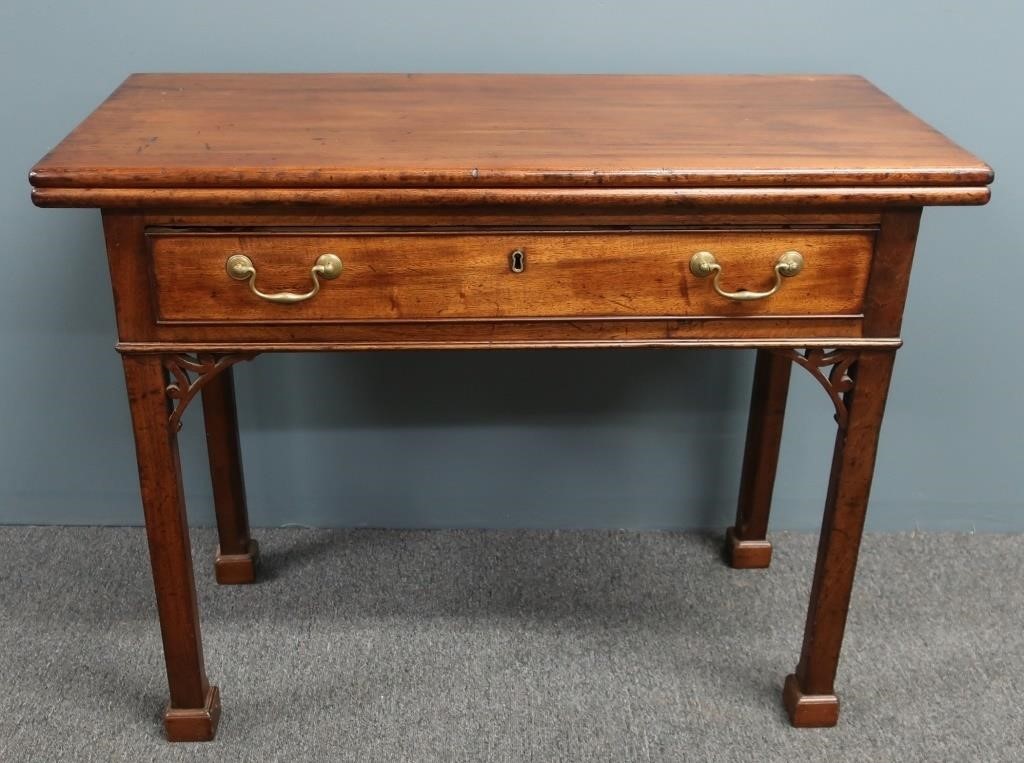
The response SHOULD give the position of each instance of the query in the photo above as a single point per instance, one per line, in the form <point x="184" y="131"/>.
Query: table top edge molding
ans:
<point x="674" y="199"/>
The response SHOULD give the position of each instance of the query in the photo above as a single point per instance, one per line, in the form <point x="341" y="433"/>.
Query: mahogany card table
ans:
<point x="247" y="214"/>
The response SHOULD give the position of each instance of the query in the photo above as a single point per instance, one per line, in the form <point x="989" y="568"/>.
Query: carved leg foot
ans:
<point x="194" y="724"/>
<point x="237" y="569"/>
<point x="746" y="554"/>
<point x="808" y="711"/>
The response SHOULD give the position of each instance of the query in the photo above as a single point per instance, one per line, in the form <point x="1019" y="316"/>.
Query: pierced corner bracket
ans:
<point x="833" y="369"/>
<point x="190" y="373"/>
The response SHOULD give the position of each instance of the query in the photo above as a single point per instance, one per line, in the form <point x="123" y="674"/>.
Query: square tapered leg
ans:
<point x="237" y="554"/>
<point x="747" y="546"/>
<point x="194" y="705"/>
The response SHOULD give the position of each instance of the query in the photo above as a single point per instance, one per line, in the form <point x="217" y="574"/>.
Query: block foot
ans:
<point x="194" y="724"/>
<point x="237" y="569"/>
<point x="809" y="710"/>
<point x="746" y="554"/>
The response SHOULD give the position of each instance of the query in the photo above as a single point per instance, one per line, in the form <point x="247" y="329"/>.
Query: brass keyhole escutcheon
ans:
<point x="517" y="261"/>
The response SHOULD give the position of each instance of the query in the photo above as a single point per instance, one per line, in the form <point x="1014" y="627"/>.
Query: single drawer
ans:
<point x="431" y="276"/>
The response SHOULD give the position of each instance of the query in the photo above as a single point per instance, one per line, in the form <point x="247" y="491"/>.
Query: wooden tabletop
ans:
<point x="334" y="131"/>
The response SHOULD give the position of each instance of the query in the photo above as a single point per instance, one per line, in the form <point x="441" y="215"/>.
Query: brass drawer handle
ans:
<point x="703" y="264"/>
<point x="240" y="267"/>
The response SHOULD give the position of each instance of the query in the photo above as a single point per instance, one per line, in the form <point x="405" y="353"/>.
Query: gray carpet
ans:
<point x="512" y="646"/>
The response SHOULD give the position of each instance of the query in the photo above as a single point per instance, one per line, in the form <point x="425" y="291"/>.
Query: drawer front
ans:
<point x="427" y="276"/>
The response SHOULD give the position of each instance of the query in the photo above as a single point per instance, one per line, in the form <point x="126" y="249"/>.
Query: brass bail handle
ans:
<point x="327" y="267"/>
<point x="703" y="264"/>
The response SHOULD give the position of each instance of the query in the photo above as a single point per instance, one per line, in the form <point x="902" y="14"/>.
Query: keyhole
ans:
<point x="517" y="261"/>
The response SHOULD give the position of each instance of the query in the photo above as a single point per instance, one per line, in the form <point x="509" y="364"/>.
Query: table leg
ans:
<point x="809" y="695"/>
<point x="238" y="553"/>
<point x="194" y="707"/>
<point x="746" y="546"/>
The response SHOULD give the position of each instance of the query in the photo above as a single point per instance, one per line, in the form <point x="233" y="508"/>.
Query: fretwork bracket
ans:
<point x="188" y="374"/>
<point x="837" y="381"/>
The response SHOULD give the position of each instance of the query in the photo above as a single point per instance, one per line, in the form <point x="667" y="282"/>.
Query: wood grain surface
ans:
<point x="450" y="276"/>
<point x="325" y="131"/>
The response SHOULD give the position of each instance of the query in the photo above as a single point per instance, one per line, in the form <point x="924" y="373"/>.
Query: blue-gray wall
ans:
<point x="570" y="439"/>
